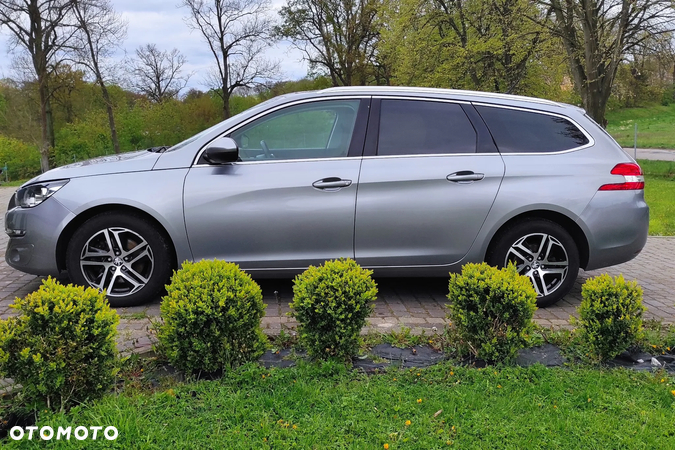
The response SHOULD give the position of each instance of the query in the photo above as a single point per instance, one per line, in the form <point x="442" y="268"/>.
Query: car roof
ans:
<point x="438" y="93"/>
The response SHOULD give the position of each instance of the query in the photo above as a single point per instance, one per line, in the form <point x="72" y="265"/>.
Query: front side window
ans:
<point x="320" y="129"/>
<point x="518" y="131"/>
<point x="417" y="127"/>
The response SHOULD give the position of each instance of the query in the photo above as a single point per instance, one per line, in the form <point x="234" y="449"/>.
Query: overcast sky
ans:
<point x="161" y="22"/>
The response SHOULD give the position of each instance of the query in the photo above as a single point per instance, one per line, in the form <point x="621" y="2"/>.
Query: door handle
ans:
<point x="332" y="183"/>
<point x="465" y="176"/>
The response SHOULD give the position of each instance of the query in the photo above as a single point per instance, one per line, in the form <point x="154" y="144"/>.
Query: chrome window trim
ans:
<point x="273" y="161"/>
<point x="269" y="111"/>
<point x="429" y="155"/>
<point x="591" y="141"/>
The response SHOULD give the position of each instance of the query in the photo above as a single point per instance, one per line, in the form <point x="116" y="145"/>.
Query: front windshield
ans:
<point x="251" y="110"/>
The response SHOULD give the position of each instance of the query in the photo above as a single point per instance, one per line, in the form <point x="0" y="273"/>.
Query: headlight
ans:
<point x="33" y="195"/>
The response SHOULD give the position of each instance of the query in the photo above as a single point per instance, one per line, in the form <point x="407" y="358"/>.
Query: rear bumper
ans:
<point x="616" y="225"/>
<point x="34" y="252"/>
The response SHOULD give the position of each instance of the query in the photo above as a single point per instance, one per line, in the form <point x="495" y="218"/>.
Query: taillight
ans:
<point x="633" y="178"/>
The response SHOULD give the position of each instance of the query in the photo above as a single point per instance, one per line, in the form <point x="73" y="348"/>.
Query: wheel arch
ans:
<point x="561" y="219"/>
<point x="73" y="225"/>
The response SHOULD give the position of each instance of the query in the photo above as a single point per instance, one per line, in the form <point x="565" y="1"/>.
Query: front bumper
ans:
<point x="34" y="233"/>
<point x="616" y="225"/>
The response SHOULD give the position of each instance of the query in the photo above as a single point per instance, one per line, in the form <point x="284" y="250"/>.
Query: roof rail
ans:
<point x="391" y="89"/>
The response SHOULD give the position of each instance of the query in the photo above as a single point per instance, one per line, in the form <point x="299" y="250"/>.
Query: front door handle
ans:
<point x="465" y="176"/>
<point x="332" y="183"/>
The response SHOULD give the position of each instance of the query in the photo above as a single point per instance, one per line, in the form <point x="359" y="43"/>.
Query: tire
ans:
<point x="133" y="271"/>
<point x="553" y="263"/>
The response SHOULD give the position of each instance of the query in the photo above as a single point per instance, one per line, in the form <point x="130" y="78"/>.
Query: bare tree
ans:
<point x="237" y="32"/>
<point x="40" y="28"/>
<point x="101" y="30"/>
<point x="157" y="74"/>
<point x="338" y="36"/>
<point x="597" y="34"/>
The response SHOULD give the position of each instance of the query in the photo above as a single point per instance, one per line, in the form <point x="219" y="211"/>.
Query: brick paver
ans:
<point x="416" y="303"/>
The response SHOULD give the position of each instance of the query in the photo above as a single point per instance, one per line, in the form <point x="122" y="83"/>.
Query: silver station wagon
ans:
<point x="407" y="181"/>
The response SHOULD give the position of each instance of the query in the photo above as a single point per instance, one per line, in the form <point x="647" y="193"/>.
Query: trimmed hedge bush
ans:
<point x="211" y="317"/>
<point x="331" y="303"/>
<point x="61" y="347"/>
<point x="491" y="310"/>
<point x="610" y="315"/>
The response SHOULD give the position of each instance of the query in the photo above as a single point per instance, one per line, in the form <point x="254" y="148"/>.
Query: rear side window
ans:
<point x="415" y="127"/>
<point x="517" y="131"/>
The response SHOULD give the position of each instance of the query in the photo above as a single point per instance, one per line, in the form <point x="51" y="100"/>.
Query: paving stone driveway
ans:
<point x="416" y="303"/>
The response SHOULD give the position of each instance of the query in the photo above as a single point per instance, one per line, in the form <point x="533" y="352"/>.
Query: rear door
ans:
<point x="428" y="180"/>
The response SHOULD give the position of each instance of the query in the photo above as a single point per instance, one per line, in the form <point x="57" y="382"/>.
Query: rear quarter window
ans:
<point x="518" y="131"/>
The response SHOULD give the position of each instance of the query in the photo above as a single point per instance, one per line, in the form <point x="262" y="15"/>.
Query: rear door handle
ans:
<point x="465" y="176"/>
<point x="332" y="183"/>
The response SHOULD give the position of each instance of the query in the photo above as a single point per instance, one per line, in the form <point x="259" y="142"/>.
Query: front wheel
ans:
<point x="544" y="252"/>
<point x="122" y="254"/>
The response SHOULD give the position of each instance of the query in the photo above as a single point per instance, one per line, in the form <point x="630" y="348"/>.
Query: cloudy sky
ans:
<point x="161" y="22"/>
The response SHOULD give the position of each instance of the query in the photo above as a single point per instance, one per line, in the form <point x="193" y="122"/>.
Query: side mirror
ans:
<point x="222" y="151"/>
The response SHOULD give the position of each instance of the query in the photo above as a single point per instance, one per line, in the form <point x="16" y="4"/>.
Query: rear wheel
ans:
<point x="122" y="254"/>
<point x="544" y="252"/>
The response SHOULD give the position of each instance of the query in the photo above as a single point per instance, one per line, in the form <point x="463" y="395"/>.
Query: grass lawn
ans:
<point x="656" y="126"/>
<point x="660" y="196"/>
<point x="447" y="407"/>
<point x="16" y="183"/>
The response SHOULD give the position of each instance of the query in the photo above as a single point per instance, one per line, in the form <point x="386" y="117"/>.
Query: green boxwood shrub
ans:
<point x="491" y="310"/>
<point x="61" y="347"/>
<point x="610" y="315"/>
<point x="331" y="303"/>
<point x="211" y="317"/>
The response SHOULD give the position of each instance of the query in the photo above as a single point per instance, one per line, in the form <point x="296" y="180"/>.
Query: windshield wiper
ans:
<point x="160" y="149"/>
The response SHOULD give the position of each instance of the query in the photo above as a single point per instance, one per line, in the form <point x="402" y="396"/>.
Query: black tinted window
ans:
<point x="413" y="127"/>
<point x="527" y="132"/>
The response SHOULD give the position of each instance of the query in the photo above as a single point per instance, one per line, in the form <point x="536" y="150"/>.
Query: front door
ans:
<point x="290" y="202"/>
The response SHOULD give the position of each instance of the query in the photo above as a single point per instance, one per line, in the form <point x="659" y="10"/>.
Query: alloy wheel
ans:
<point x="117" y="260"/>
<point x="543" y="259"/>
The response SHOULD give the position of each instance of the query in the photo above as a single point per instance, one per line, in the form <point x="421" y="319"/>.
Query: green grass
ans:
<point x="656" y="126"/>
<point x="12" y="183"/>
<point x="330" y="407"/>
<point x="660" y="196"/>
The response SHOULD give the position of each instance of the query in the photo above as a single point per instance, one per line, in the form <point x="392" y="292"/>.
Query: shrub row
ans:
<point x="62" y="345"/>
<point x="492" y="313"/>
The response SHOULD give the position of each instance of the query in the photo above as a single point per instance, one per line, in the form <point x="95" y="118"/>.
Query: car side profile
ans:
<point x="407" y="181"/>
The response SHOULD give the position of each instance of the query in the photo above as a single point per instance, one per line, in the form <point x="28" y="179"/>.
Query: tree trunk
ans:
<point x="44" y="148"/>
<point x="111" y="116"/>
<point x="595" y="102"/>
<point x="226" y="105"/>
<point x="50" y="121"/>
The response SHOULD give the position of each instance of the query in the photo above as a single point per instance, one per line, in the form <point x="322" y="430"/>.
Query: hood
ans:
<point x="137" y="161"/>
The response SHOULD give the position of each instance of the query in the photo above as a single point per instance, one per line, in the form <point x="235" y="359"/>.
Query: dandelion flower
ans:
<point x="407" y="423"/>
<point x="386" y="446"/>
<point x="589" y="400"/>
<point x="295" y="427"/>
<point x="499" y="386"/>
<point x="672" y="392"/>
<point x="419" y="400"/>
<point x="452" y="373"/>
